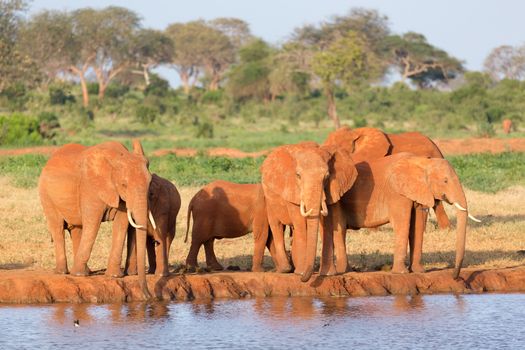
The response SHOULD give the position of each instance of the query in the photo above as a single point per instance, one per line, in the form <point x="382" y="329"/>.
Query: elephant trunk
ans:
<point x="139" y="211"/>
<point x="312" y="231"/>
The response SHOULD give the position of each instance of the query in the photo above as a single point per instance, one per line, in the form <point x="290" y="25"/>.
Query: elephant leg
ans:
<point x="152" y="254"/>
<point x="211" y="259"/>
<point x="418" y="222"/>
<point x="90" y="225"/>
<point x="191" y="259"/>
<point x="299" y="246"/>
<point x="161" y="258"/>
<point x="131" y="257"/>
<point x="261" y="235"/>
<point x="75" y="233"/>
<point x="327" y="267"/>
<point x="283" y="264"/>
<point x="339" y="234"/>
<point x="441" y="216"/>
<point x="119" y="230"/>
<point x="400" y="220"/>
<point x="55" y="225"/>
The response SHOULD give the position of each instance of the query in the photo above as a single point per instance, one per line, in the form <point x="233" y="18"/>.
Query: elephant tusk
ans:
<point x="324" y="209"/>
<point x="303" y="211"/>
<point x="459" y="206"/>
<point x="152" y="220"/>
<point x="473" y="218"/>
<point x="131" y="222"/>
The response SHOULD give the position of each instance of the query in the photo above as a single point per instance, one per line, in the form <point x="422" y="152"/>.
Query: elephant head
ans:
<point x="363" y="143"/>
<point x="425" y="180"/>
<point x="310" y="177"/>
<point x="115" y="174"/>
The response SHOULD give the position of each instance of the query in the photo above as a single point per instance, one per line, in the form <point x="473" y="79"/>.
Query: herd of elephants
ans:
<point x="358" y="178"/>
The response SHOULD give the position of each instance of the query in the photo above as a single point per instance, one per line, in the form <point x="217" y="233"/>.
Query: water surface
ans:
<point x="485" y="321"/>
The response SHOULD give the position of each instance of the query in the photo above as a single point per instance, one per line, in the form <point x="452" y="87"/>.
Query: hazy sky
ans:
<point x="468" y="29"/>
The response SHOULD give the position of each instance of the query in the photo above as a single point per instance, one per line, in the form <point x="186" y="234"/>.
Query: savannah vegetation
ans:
<point x="89" y="75"/>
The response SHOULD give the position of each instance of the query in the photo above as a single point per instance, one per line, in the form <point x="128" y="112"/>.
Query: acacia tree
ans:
<point x="152" y="49"/>
<point x="506" y="62"/>
<point x="15" y="66"/>
<point x="107" y="39"/>
<point x="420" y="61"/>
<point x="200" y="47"/>
<point x="348" y="61"/>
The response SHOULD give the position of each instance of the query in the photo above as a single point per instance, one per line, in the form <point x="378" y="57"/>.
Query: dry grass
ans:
<point x="25" y="241"/>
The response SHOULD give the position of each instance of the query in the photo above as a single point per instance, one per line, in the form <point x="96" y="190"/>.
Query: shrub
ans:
<point x="16" y="95"/>
<point x="115" y="90"/>
<point x="157" y="87"/>
<point x="146" y="114"/>
<point x="59" y="94"/>
<point x="48" y="125"/>
<point x="92" y="88"/>
<point x="212" y="96"/>
<point x="204" y="130"/>
<point x="19" y="130"/>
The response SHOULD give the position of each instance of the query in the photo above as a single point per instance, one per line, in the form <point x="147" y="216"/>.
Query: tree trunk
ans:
<point x="102" y="89"/>
<point x="85" y="94"/>
<point x="214" y="83"/>
<point x="185" y="79"/>
<point x="146" y="75"/>
<point x="332" y="110"/>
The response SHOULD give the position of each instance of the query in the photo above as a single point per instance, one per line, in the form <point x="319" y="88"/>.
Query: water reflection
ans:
<point x="440" y="321"/>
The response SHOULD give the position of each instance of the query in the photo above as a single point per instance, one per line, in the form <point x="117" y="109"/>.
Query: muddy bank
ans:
<point x="46" y="287"/>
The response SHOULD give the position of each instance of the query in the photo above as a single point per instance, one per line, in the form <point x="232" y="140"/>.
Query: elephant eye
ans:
<point x="446" y="180"/>
<point x="298" y="175"/>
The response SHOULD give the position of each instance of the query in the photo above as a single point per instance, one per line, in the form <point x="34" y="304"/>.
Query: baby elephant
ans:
<point x="223" y="209"/>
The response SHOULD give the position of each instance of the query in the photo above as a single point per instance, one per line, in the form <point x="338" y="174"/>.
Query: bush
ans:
<point x="19" y="130"/>
<point x="157" y="87"/>
<point x="48" y="125"/>
<point x="115" y="90"/>
<point x="212" y="96"/>
<point x="204" y="130"/>
<point x="16" y="95"/>
<point x="92" y="88"/>
<point x="59" y="94"/>
<point x="146" y="114"/>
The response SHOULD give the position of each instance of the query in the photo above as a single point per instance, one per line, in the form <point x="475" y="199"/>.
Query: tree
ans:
<point x="14" y="66"/>
<point x="291" y="71"/>
<point x="237" y="30"/>
<point x="347" y="60"/>
<point x="420" y="61"/>
<point x="506" y="62"/>
<point x="152" y="49"/>
<point x="250" y="77"/>
<point x="107" y="39"/>
<point x="47" y="37"/>
<point x="200" y="47"/>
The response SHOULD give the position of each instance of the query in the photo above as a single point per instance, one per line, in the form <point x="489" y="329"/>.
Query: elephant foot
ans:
<point x="131" y="272"/>
<point x="162" y="274"/>
<point x="399" y="270"/>
<point x="257" y="269"/>
<point x="80" y="272"/>
<point x="191" y="268"/>
<point x="417" y="268"/>
<point x="328" y="271"/>
<point x="114" y="273"/>
<point x="151" y="271"/>
<point x="61" y="271"/>
<point x="215" y="267"/>
<point x="284" y="269"/>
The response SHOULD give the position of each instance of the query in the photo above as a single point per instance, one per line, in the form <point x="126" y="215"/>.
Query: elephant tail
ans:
<point x="190" y="207"/>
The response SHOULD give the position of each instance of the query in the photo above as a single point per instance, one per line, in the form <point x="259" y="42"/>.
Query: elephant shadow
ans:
<point x="16" y="266"/>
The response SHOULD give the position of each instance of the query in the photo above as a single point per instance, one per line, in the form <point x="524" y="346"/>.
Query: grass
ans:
<point x="25" y="241"/>
<point x="490" y="172"/>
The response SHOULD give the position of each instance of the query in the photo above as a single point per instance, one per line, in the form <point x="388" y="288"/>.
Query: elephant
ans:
<point x="369" y="143"/>
<point x="507" y="126"/>
<point x="164" y="202"/>
<point x="300" y="182"/>
<point x="223" y="209"/>
<point x="80" y="187"/>
<point x="399" y="189"/>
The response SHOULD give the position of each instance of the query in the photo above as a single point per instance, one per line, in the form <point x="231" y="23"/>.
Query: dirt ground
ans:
<point x="45" y="287"/>
<point x="447" y="146"/>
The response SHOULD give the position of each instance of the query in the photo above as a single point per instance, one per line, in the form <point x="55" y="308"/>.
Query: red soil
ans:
<point x="46" y="287"/>
<point x="448" y="147"/>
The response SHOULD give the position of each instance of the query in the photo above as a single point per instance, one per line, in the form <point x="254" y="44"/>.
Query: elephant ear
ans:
<point x="342" y="175"/>
<point x="370" y="143"/>
<point x="137" y="147"/>
<point x="98" y="174"/>
<point x="279" y="174"/>
<point x="408" y="177"/>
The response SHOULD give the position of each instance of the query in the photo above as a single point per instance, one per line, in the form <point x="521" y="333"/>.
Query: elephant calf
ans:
<point x="224" y="209"/>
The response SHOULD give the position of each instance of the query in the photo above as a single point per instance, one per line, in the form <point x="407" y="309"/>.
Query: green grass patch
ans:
<point x="480" y="172"/>
<point x="490" y="173"/>
<point x="200" y="170"/>
<point x="23" y="170"/>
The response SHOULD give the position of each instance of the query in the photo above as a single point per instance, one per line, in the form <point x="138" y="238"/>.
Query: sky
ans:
<point x="467" y="29"/>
